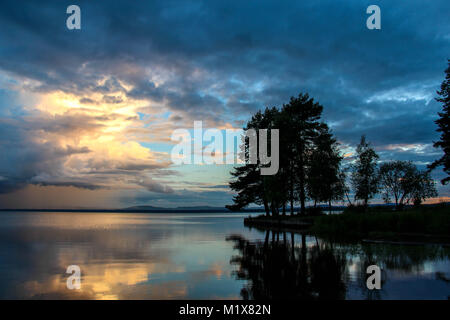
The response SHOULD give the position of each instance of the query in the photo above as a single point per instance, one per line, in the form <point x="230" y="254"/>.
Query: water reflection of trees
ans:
<point x="281" y="269"/>
<point x="406" y="259"/>
<point x="286" y="267"/>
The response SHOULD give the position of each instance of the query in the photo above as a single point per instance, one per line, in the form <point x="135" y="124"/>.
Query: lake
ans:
<point x="201" y="256"/>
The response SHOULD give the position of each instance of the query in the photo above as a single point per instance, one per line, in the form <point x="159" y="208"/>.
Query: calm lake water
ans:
<point x="200" y="256"/>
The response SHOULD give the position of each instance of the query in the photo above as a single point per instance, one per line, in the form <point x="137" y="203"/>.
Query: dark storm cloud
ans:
<point x="76" y="184"/>
<point x="226" y="59"/>
<point x="25" y="161"/>
<point x="322" y="47"/>
<point x="318" y="46"/>
<point x="154" y="186"/>
<point x="390" y="122"/>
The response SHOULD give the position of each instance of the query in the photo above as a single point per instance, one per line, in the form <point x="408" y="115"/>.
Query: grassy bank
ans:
<point x="280" y="222"/>
<point x="415" y="224"/>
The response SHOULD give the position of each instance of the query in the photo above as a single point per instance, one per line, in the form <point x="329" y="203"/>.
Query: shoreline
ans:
<point x="418" y="226"/>
<point x="293" y="222"/>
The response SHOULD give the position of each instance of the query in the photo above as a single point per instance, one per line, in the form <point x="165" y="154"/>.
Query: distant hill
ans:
<point x="145" y="209"/>
<point x="177" y="208"/>
<point x="191" y="209"/>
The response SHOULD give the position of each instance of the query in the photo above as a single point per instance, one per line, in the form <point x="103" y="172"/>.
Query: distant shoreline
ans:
<point x="186" y="209"/>
<point x="133" y="211"/>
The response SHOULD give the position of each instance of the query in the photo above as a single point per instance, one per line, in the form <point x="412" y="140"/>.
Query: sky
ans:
<point x="86" y="115"/>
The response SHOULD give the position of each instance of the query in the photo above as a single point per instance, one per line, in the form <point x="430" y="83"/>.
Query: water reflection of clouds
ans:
<point x="139" y="256"/>
<point x="121" y="256"/>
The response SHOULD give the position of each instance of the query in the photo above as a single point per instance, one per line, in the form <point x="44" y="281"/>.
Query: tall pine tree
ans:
<point x="248" y="183"/>
<point x="325" y="179"/>
<point x="443" y="127"/>
<point x="303" y="127"/>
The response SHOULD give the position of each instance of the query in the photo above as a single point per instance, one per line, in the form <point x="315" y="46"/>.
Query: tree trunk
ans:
<point x="266" y="207"/>
<point x="266" y="240"/>
<point x="302" y="192"/>
<point x="274" y="209"/>
<point x="402" y="199"/>
<point x="302" y="183"/>
<point x="302" y="197"/>
<point x="291" y="178"/>
<point x="348" y="198"/>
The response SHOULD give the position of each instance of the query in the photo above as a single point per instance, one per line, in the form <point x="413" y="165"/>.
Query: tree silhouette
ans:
<point x="250" y="185"/>
<point x="302" y="115"/>
<point x="405" y="183"/>
<point x="302" y="138"/>
<point x="364" y="175"/>
<point x="444" y="125"/>
<point x="325" y="180"/>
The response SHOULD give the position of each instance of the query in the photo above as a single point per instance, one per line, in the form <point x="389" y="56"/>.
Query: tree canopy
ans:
<point x="364" y="175"/>
<point x="402" y="181"/>
<point x="306" y="147"/>
<point x="443" y="127"/>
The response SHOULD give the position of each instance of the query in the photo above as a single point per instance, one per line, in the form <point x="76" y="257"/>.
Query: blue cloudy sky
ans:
<point x="86" y="115"/>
